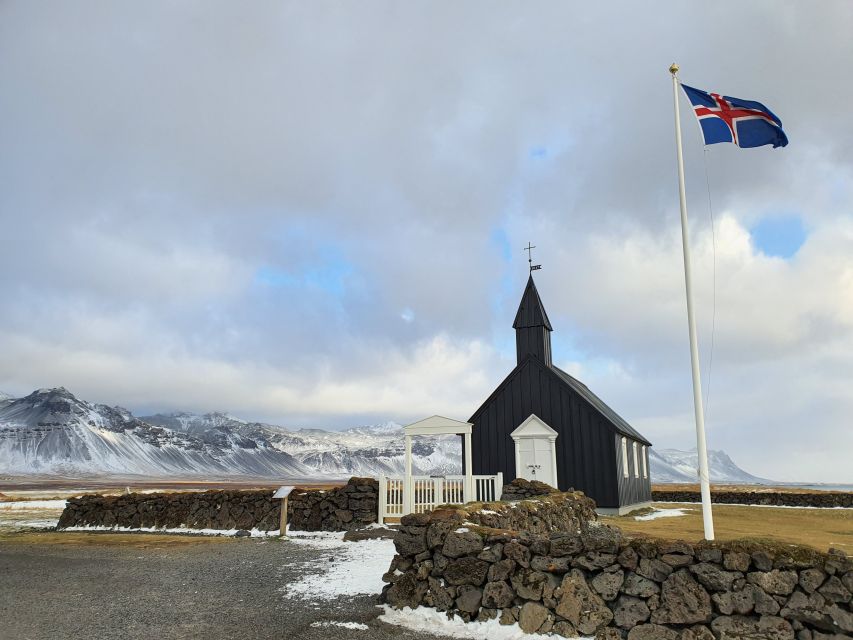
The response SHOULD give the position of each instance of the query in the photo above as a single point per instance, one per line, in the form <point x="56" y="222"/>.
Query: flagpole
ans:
<point x="701" y="447"/>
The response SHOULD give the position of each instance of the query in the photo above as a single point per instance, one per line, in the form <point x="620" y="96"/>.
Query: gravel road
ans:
<point x="220" y="589"/>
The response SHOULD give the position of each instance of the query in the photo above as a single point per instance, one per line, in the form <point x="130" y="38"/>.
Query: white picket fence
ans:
<point x="428" y="492"/>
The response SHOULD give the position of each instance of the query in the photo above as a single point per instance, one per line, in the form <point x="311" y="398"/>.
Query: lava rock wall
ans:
<point x="352" y="506"/>
<point x="823" y="499"/>
<point x="521" y="489"/>
<point x="341" y="509"/>
<point x="587" y="580"/>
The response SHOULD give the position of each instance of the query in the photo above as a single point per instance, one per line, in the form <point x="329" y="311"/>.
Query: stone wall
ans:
<point x="349" y="507"/>
<point x="775" y="498"/>
<point x="521" y="489"/>
<point x="587" y="580"/>
<point x="352" y="506"/>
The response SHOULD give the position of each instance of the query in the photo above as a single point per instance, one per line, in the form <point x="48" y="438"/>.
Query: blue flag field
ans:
<point x="746" y="123"/>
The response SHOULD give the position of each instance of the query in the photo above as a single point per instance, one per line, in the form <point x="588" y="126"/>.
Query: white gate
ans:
<point x="429" y="492"/>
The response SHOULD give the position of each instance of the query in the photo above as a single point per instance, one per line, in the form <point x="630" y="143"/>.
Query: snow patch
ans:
<point x="436" y="623"/>
<point x="33" y="504"/>
<point x="662" y="513"/>
<point x="254" y="533"/>
<point x="346" y="625"/>
<point x="356" y="568"/>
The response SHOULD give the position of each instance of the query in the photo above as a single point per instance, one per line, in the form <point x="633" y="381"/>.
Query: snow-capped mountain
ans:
<point x="671" y="465"/>
<point x="366" y="450"/>
<point x="5" y="398"/>
<point x="51" y="431"/>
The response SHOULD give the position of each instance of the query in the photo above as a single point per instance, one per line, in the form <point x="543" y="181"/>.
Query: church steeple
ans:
<point x="532" y="327"/>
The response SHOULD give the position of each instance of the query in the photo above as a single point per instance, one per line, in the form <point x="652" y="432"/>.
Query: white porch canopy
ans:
<point x="437" y="426"/>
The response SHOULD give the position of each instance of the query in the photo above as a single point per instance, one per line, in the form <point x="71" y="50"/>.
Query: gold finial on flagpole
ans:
<point x="673" y="68"/>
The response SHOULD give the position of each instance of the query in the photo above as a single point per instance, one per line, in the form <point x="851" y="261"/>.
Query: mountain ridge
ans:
<point x="51" y="431"/>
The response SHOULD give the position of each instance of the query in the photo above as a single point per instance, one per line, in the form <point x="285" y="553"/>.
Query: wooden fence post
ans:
<point x="383" y="498"/>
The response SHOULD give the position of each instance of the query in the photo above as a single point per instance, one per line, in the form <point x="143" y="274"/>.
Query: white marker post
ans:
<point x="701" y="447"/>
<point x="282" y="493"/>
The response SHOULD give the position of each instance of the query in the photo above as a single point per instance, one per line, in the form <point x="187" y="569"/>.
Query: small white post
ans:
<point x="469" y="475"/>
<point x="553" y="442"/>
<point x="408" y="485"/>
<point x="499" y="485"/>
<point x="383" y="499"/>
<point x="701" y="447"/>
<point x="283" y="521"/>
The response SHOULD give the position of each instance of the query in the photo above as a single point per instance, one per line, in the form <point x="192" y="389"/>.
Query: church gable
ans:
<point x="534" y="427"/>
<point x="585" y="453"/>
<point x="534" y="388"/>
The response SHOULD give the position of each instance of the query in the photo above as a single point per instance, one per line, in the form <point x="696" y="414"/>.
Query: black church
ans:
<point x="543" y="424"/>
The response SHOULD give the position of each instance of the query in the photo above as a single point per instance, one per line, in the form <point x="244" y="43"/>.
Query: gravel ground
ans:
<point x="230" y="589"/>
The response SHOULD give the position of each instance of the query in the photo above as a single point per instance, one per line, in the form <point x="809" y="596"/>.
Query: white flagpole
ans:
<point x="701" y="447"/>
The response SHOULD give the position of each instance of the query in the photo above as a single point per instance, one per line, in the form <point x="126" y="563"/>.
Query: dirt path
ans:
<point x="159" y="587"/>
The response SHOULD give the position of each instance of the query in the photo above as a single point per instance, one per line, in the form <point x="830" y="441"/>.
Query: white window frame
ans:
<point x="645" y="463"/>
<point x="636" y="460"/>
<point x="625" y="473"/>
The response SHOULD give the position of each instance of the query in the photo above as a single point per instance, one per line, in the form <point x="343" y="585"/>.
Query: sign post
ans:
<point x="283" y="493"/>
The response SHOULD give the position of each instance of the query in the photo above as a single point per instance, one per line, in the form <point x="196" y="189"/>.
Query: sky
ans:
<point x="314" y="213"/>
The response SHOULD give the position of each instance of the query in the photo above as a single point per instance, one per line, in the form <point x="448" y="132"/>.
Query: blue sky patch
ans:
<point x="328" y="273"/>
<point x="500" y="240"/>
<point x="780" y="237"/>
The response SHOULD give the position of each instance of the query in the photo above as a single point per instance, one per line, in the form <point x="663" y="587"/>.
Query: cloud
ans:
<point x="439" y="375"/>
<point x="310" y="213"/>
<point x="781" y="330"/>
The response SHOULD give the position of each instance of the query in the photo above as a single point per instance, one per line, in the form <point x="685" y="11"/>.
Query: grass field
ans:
<point x="816" y="528"/>
<point x="739" y="488"/>
<point x="137" y="540"/>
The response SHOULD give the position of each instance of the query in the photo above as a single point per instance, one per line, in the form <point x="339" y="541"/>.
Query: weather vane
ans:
<point x="529" y="248"/>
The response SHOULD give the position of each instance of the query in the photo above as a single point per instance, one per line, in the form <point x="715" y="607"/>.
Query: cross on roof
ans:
<point x="529" y="248"/>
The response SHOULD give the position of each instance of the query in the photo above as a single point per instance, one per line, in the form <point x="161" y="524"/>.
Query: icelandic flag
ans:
<point x="746" y="123"/>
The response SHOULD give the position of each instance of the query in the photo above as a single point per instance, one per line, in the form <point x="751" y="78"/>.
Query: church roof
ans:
<point x="621" y="424"/>
<point x="531" y="312"/>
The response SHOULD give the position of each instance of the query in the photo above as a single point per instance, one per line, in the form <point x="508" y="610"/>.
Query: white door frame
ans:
<point x="535" y="428"/>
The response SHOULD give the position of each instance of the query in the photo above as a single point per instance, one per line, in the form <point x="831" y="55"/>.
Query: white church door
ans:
<point x="536" y="451"/>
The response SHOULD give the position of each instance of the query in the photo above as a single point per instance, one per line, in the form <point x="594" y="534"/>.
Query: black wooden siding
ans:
<point x="533" y="341"/>
<point x="632" y="490"/>
<point x="586" y="454"/>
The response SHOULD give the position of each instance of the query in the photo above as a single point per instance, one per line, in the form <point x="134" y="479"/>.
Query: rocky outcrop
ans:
<point x="558" y="570"/>
<point x="821" y="499"/>
<point x="341" y="509"/>
<point x="521" y="489"/>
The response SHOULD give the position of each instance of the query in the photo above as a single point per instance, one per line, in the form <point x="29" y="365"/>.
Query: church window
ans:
<point x="636" y="460"/>
<point x="645" y="463"/>
<point x="624" y="457"/>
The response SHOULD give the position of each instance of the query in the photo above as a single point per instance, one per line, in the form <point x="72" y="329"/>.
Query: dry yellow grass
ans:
<point x="44" y="489"/>
<point x="107" y="539"/>
<point x="816" y="528"/>
<point x="738" y="488"/>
